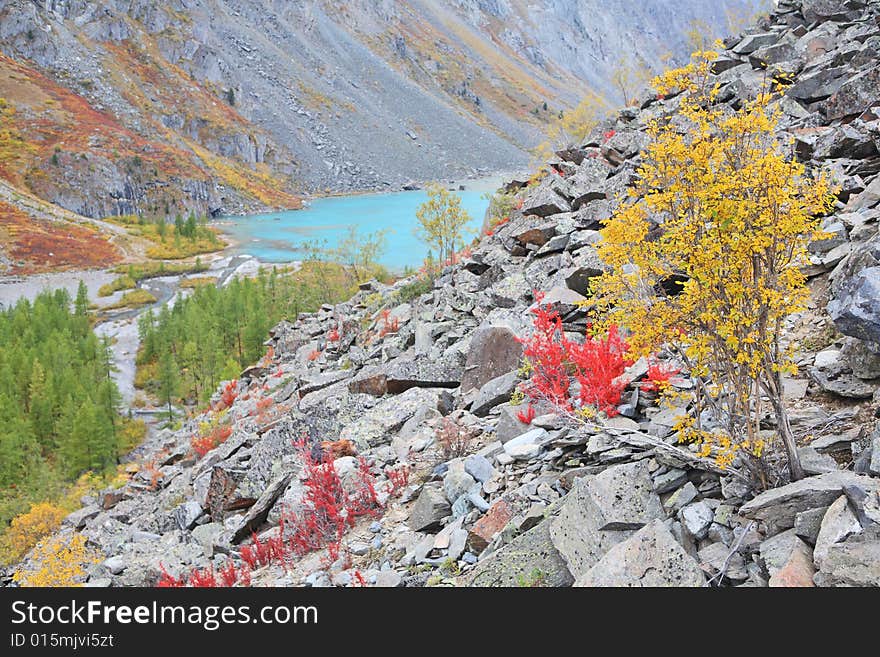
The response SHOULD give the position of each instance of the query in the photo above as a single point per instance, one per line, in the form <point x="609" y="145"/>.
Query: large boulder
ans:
<point x="430" y="508"/>
<point x="855" y="562"/>
<point x="494" y="350"/>
<point x="530" y="559"/>
<point x="650" y="557"/>
<point x="855" y="307"/>
<point x="544" y="201"/>
<point x="855" y="95"/>
<point x="778" y="507"/>
<point x="601" y="511"/>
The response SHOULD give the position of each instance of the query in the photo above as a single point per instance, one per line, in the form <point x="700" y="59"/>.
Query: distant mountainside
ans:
<point x="233" y="105"/>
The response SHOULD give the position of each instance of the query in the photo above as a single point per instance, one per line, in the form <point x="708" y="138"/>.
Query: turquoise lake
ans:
<point x="281" y="236"/>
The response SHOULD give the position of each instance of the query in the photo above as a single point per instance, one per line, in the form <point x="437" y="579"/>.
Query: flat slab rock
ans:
<point x="530" y="559"/>
<point x="602" y="511"/>
<point x="650" y="557"/>
<point x="855" y="562"/>
<point x="778" y="507"/>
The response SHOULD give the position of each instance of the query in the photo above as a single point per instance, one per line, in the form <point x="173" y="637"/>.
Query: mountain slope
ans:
<point x="224" y="100"/>
<point x="398" y="376"/>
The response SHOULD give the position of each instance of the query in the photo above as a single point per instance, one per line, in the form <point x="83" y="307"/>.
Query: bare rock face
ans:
<point x="530" y="559"/>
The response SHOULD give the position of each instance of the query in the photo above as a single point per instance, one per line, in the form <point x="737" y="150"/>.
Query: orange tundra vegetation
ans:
<point x="36" y="245"/>
<point x="57" y="125"/>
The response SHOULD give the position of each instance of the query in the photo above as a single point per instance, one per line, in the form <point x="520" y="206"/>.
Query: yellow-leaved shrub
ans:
<point x="58" y="561"/>
<point x="704" y="258"/>
<point x="28" y="529"/>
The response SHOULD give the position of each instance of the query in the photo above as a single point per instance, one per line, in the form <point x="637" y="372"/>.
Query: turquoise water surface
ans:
<point x="281" y="236"/>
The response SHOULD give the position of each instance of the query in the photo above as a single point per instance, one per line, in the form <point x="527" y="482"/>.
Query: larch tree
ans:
<point x="704" y="259"/>
<point x="442" y="221"/>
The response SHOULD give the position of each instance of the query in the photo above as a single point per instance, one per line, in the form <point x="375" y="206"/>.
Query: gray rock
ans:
<point x="422" y="372"/>
<point x="776" y="551"/>
<point x="479" y="468"/>
<point x="529" y="558"/>
<point x="855" y="562"/>
<point x="717" y="557"/>
<point x="457" y="543"/>
<point x="601" y="511"/>
<point x="527" y="445"/>
<point x="807" y="524"/>
<point x="833" y="374"/>
<point x="187" y="514"/>
<point x="80" y="517"/>
<point x="115" y="565"/>
<point x="544" y="201"/>
<point x="697" y="518"/>
<point x="855" y="307"/>
<point x="778" y="507"/>
<point x="457" y="481"/>
<point x="680" y="498"/>
<point x="430" y="508"/>
<point x="815" y="463"/>
<point x="650" y="557"/>
<point x="754" y="41"/>
<point x="670" y="480"/>
<point x="509" y="425"/>
<point x="389" y="579"/>
<point x="874" y="463"/>
<point x="208" y="535"/>
<point x="493" y="351"/>
<point x="838" y="524"/>
<point x="493" y="393"/>
<point x="854" y="95"/>
<point x="818" y="85"/>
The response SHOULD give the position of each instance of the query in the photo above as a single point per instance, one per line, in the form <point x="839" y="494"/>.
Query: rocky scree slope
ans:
<point x="550" y="503"/>
<point x="219" y="102"/>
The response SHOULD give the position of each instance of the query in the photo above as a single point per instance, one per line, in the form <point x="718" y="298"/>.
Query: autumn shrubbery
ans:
<point x="330" y="506"/>
<point x="553" y="362"/>
<point x="28" y="529"/>
<point x="60" y="560"/>
<point x="703" y="264"/>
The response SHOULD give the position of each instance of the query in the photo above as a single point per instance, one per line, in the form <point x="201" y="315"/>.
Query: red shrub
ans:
<point x="333" y="335"/>
<point x="658" y="375"/>
<point x="229" y="395"/>
<point x="545" y="352"/>
<point x="389" y="325"/>
<point x="608" y="135"/>
<point x="204" y="578"/>
<point x="527" y="416"/>
<point x="315" y="354"/>
<point x="398" y="479"/>
<point x="203" y="444"/>
<point x="169" y="581"/>
<point x="229" y="575"/>
<point x="599" y="364"/>
<point x="331" y="508"/>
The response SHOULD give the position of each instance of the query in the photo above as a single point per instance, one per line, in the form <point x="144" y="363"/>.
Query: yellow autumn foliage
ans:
<point x="571" y="127"/>
<point x="28" y="529"/>
<point x="704" y="258"/>
<point x="58" y="561"/>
